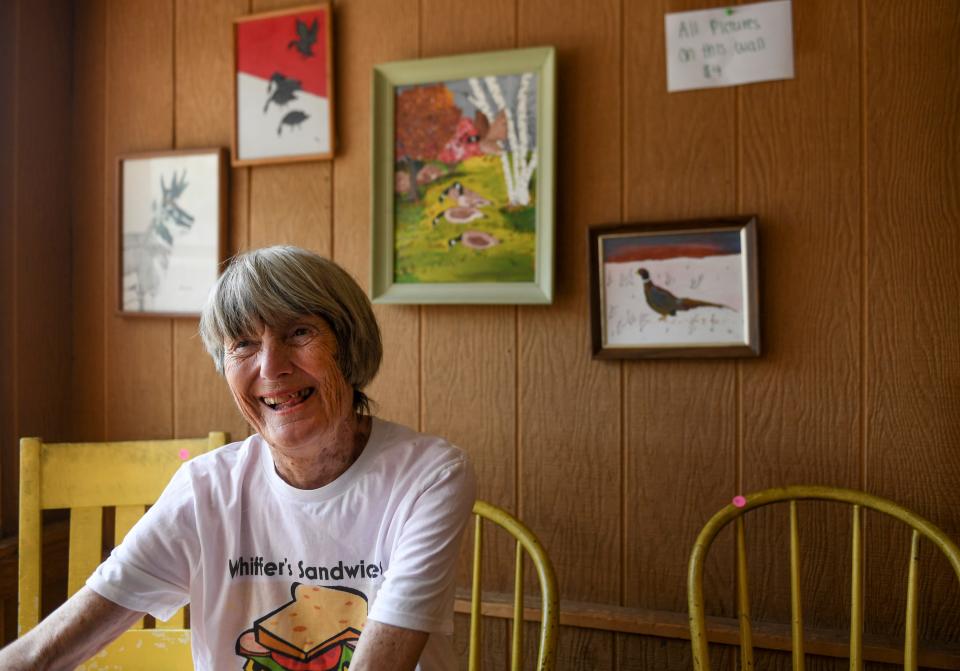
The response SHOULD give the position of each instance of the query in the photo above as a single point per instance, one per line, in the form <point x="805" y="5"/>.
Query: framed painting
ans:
<point x="674" y="290"/>
<point x="463" y="179"/>
<point x="171" y="232"/>
<point x="283" y="95"/>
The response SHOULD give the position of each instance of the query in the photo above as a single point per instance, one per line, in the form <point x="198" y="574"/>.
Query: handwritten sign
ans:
<point x="728" y="46"/>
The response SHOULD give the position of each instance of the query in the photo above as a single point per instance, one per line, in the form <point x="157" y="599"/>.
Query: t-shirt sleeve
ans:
<point x="150" y="570"/>
<point x="417" y="592"/>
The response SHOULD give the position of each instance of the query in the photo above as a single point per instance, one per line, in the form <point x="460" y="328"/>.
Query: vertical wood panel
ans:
<point x="8" y="430"/>
<point x="9" y="12"/>
<point x="239" y="226"/>
<point x="680" y="417"/>
<point x="42" y="252"/>
<point x="238" y="235"/>
<point x="913" y="242"/>
<point x="291" y="203"/>
<point x="35" y="318"/>
<point x="477" y="28"/>
<point x="139" y="351"/>
<point x="89" y="176"/>
<point x="470" y="398"/>
<point x="368" y="32"/>
<point x="469" y="353"/>
<point x="469" y="391"/>
<point x="205" y="72"/>
<point x="204" y="108"/>
<point x="570" y="405"/>
<point x="203" y="402"/>
<point x="800" y="401"/>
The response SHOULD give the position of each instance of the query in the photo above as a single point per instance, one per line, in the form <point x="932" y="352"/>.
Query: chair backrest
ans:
<point x="526" y="542"/>
<point x="859" y="501"/>
<point x="85" y="478"/>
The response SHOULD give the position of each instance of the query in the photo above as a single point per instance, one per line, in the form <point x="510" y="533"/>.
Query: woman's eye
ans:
<point x="301" y="331"/>
<point x="240" y="345"/>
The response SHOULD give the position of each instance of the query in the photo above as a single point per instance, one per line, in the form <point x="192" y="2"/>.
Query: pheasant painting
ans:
<point x="667" y="286"/>
<point x="665" y="303"/>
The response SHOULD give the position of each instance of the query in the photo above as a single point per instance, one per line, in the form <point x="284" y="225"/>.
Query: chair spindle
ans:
<point x="743" y="600"/>
<point x="124" y="519"/>
<point x="910" y="639"/>
<point x="856" y="593"/>
<point x="31" y="541"/>
<point x="177" y="621"/>
<point x="516" y="650"/>
<point x="796" y="624"/>
<point x="473" y="663"/>
<point x="86" y="541"/>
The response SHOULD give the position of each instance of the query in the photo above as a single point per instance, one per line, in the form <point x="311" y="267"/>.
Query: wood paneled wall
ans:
<point x="35" y="233"/>
<point x="853" y="168"/>
<point x="36" y="69"/>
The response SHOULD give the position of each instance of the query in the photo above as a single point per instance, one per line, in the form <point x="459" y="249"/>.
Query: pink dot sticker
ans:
<point x="739" y="501"/>
<point x="184" y="455"/>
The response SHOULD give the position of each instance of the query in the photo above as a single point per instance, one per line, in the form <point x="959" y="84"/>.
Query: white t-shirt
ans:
<point x="236" y="542"/>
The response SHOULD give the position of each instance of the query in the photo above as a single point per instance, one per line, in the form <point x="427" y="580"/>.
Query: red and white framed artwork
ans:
<point x="284" y="87"/>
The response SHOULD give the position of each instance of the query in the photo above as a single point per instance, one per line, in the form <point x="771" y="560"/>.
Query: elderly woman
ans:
<point x="327" y="539"/>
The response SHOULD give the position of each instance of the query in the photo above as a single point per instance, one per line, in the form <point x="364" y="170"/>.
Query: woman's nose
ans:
<point x="274" y="360"/>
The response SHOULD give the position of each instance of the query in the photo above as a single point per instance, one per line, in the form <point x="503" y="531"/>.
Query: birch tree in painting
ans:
<point x="518" y="157"/>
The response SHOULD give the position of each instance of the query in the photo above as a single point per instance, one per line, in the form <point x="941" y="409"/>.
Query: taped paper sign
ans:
<point x="728" y="46"/>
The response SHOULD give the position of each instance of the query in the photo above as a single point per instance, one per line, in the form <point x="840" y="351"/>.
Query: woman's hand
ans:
<point x="74" y="632"/>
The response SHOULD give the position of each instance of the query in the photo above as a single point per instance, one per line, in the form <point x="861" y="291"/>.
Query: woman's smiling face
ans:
<point x="287" y="383"/>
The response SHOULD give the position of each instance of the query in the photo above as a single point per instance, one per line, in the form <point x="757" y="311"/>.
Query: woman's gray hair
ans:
<point x="276" y="285"/>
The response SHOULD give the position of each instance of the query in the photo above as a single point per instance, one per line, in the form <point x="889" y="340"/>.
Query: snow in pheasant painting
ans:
<point x="283" y="86"/>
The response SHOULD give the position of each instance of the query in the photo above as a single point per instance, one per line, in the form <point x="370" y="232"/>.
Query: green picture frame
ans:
<point x="469" y="219"/>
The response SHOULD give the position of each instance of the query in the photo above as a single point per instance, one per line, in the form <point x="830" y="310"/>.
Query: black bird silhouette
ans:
<point x="281" y="90"/>
<point x="665" y="303"/>
<point x="306" y="38"/>
<point x="292" y="119"/>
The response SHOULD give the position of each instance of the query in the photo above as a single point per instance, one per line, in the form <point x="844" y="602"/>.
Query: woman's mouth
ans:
<point x="286" y="401"/>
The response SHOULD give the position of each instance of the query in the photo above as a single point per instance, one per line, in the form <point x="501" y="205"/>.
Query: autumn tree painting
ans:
<point x="465" y="165"/>
<point x="426" y="117"/>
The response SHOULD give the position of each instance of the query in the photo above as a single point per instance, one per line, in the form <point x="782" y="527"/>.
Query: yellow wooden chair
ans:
<point x="858" y="500"/>
<point x="550" y="610"/>
<point x="85" y="478"/>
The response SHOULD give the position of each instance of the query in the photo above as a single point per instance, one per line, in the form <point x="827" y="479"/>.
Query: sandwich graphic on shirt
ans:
<point x="317" y="631"/>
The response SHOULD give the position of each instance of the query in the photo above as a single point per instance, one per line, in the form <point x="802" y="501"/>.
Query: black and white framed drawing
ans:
<point x="171" y="230"/>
